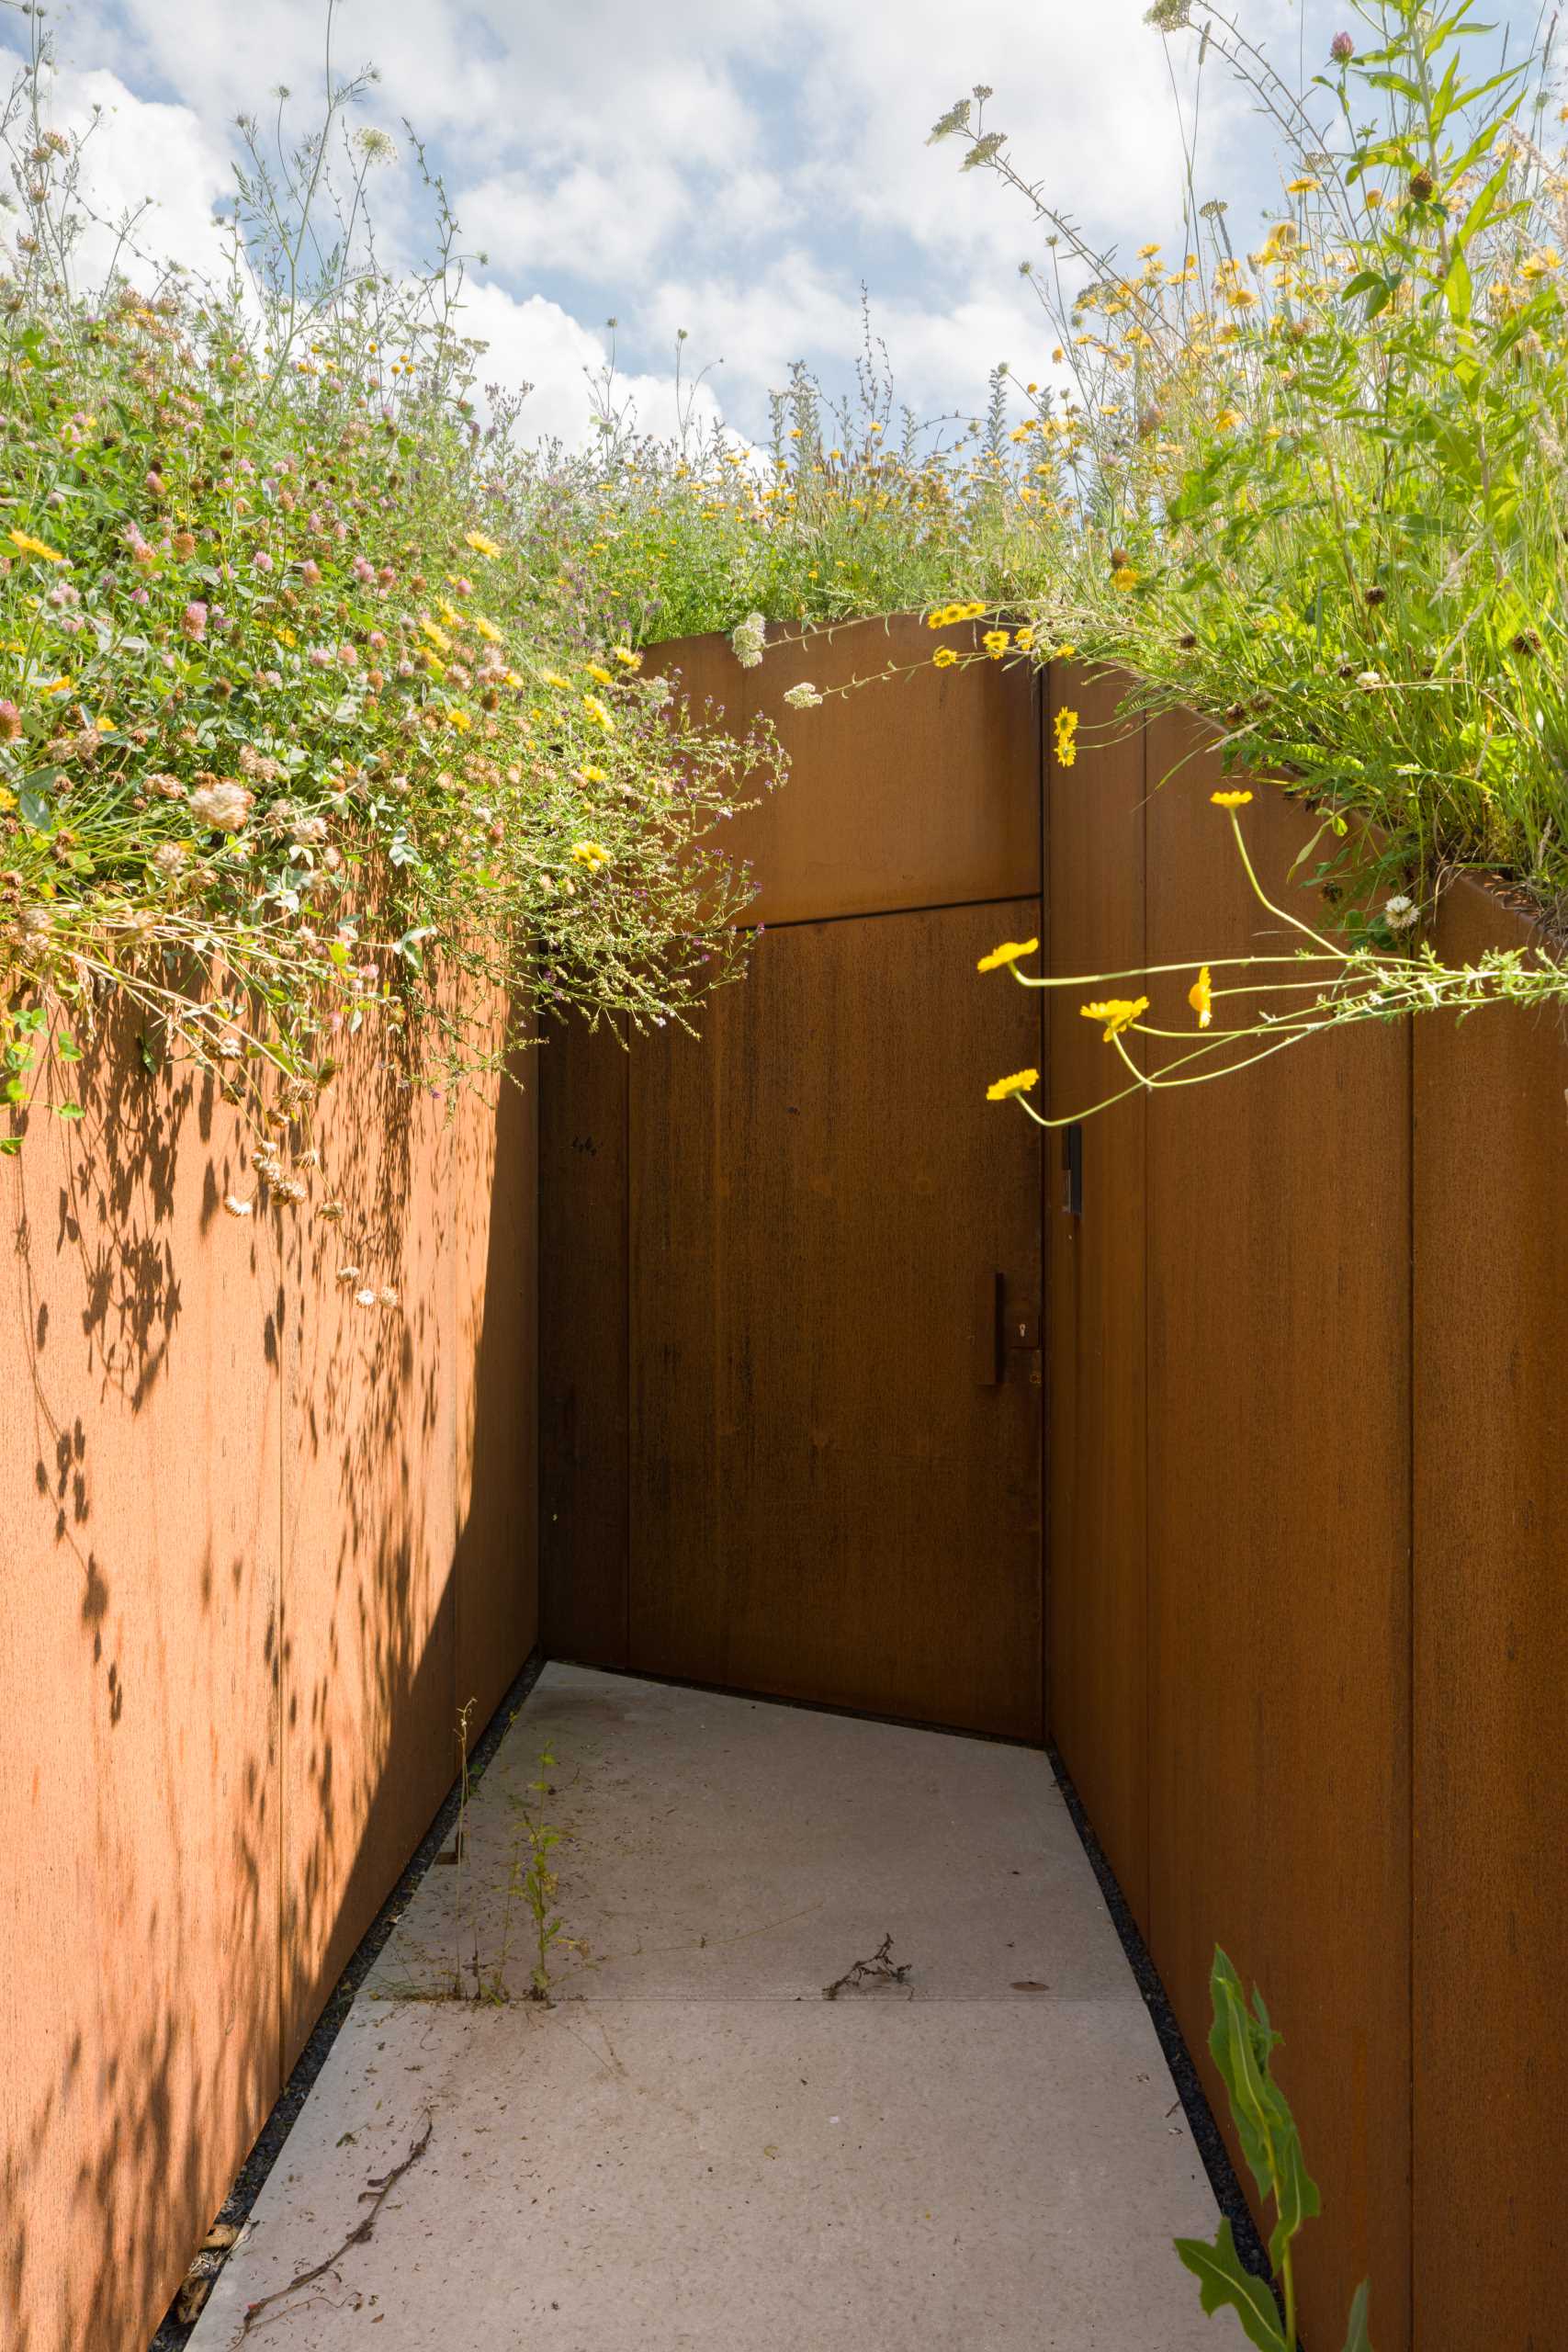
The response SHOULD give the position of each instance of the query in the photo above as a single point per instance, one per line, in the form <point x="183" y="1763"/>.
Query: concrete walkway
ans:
<point x="692" y="2150"/>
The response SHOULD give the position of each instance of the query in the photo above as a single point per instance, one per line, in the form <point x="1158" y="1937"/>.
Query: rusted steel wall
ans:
<point x="1310" y="1545"/>
<point x="261" y="1544"/>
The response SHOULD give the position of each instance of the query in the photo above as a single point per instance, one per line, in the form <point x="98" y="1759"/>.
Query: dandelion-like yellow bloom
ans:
<point x="554" y="678"/>
<point x="598" y="714"/>
<point x="29" y="546"/>
<point x="591" y="855"/>
<point x="1118" y="1012"/>
<point x="487" y="629"/>
<point x="593" y="775"/>
<point x="1230" y="799"/>
<point x="627" y="659"/>
<point x="479" y="544"/>
<point x="1201" y="997"/>
<point x="1008" y="953"/>
<point x="1018" y="1083"/>
<point x="996" y="642"/>
<point x="1066" y="725"/>
<point x="596" y="670"/>
<point x="1124" y="578"/>
<point x="944" y="657"/>
<point x="1305" y="186"/>
<point x="438" y="637"/>
<point x="459" y="719"/>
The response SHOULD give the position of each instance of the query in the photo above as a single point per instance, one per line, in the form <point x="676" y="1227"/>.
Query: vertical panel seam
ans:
<point x="1410" y="1739"/>
<point x="1047" y="1303"/>
<point x="1148" y="1512"/>
<point x="281" y="1679"/>
<point x="626" y="1181"/>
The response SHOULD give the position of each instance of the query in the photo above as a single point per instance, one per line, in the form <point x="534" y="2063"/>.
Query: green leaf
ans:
<point x="67" y="1051"/>
<point x="38" y="809"/>
<point x="1236" y="2055"/>
<point x="1223" y="2285"/>
<point x="1457" y="287"/>
<point x="1358" y="2339"/>
<point x="69" y="1111"/>
<point x="10" y="1146"/>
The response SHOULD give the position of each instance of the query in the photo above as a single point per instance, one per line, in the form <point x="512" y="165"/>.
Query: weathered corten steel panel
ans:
<point x="583" y="1080"/>
<point x="1279" y="1504"/>
<point x="369" y="1515"/>
<point x="172" y="1670"/>
<point x="917" y="804"/>
<point x="1490" y="1662"/>
<point x="825" y="1502"/>
<point x="494" y="1146"/>
<point x="139" y="1813"/>
<point x="1096" y="1555"/>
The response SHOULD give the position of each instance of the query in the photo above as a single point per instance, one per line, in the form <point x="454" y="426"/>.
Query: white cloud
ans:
<point x="536" y="342"/>
<point x="159" y="162"/>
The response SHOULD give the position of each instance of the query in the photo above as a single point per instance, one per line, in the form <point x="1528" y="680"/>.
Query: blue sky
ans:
<point x="735" y="167"/>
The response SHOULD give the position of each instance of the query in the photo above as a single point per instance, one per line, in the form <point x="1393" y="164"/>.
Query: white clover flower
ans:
<point x="803" y="697"/>
<point x="388" y="1297"/>
<point x="224" y="805"/>
<point x="365" y="1298"/>
<point x="1399" y="913"/>
<point x="171" y="858"/>
<point x="749" y="639"/>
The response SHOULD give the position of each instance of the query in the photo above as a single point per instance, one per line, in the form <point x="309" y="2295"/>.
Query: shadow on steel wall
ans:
<point x="261" y="1542"/>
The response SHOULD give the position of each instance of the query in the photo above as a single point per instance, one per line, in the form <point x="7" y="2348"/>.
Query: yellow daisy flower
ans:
<point x="1230" y="799"/>
<point x="944" y="657"/>
<point x="1008" y="953"/>
<point x="480" y="543"/>
<point x="1201" y="997"/>
<point x="1118" y="1012"/>
<point x="29" y="546"/>
<point x="591" y="855"/>
<point x="1018" y="1083"/>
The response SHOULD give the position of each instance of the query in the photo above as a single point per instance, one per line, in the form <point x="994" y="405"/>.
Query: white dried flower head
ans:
<point x="309" y="829"/>
<point x="348" y="1273"/>
<point x="231" y="1045"/>
<point x="235" y="1207"/>
<point x="365" y="1298"/>
<point x="171" y="858"/>
<point x="387" y="1297"/>
<point x="167" y="787"/>
<point x="331" y="1211"/>
<point x="37" y="920"/>
<point x="803" y="697"/>
<point x="659" y="692"/>
<point x="749" y="637"/>
<point x="1368" y="679"/>
<point x="310" y="1158"/>
<point x="224" y="805"/>
<point x="1399" y="912"/>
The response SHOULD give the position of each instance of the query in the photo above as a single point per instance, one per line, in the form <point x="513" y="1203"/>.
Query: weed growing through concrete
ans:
<point x="1243" y="2043"/>
<point x="533" y="1882"/>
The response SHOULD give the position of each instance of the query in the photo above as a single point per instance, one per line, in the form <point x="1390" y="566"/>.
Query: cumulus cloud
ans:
<point x="735" y="171"/>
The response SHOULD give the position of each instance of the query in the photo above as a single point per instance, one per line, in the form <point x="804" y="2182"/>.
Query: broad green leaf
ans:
<point x="1231" y="2043"/>
<point x="1358" y="2340"/>
<point x="1297" y="2197"/>
<point x="1223" y="2285"/>
<point x="38" y="809"/>
<point x="1457" y="287"/>
<point x="69" y="1111"/>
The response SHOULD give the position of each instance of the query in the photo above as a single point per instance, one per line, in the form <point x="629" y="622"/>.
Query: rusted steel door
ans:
<point x="792" y="1270"/>
<point x="835" y="1250"/>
